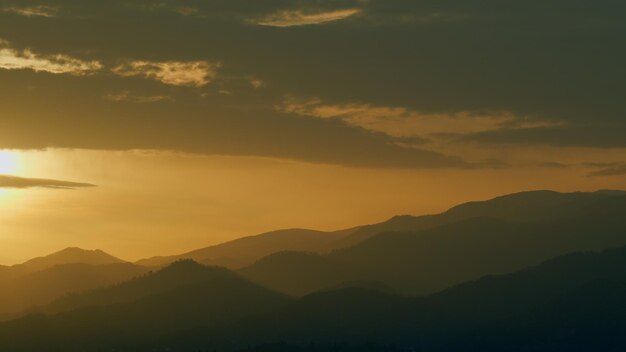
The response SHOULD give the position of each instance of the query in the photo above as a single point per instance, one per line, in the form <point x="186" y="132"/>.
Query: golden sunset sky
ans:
<point x="151" y="128"/>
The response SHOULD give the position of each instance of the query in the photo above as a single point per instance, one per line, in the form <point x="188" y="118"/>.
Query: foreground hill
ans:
<point x="574" y="302"/>
<point x="429" y="260"/>
<point x="180" y="273"/>
<point x="183" y="297"/>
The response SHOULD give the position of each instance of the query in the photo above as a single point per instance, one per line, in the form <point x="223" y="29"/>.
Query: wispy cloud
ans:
<point x="12" y="59"/>
<point x="177" y="73"/>
<point x="33" y="11"/>
<point x="141" y="99"/>
<point x="402" y="122"/>
<point x="608" y="169"/>
<point x="289" y="18"/>
<point x="186" y="10"/>
<point x="7" y="181"/>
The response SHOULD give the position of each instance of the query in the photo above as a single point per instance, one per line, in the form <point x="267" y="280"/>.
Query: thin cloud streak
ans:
<point x="126" y="96"/>
<point x="290" y="18"/>
<point x="7" y="181"/>
<point x="176" y="73"/>
<point x="401" y="122"/>
<point x="12" y="59"/>
<point x="609" y="169"/>
<point x="33" y="11"/>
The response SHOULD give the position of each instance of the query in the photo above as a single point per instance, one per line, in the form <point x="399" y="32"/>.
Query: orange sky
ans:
<point x="148" y="203"/>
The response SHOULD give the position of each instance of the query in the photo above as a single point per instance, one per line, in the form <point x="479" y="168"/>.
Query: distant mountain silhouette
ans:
<point x="429" y="260"/>
<point x="243" y="251"/>
<point x="419" y="286"/>
<point x="19" y="292"/>
<point x="534" y="206"/>
<point x="573" y="302"/>
<point x="70" y="255"/>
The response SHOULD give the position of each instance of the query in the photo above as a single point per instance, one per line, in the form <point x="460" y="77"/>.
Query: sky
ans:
<point x="155" y="127"/>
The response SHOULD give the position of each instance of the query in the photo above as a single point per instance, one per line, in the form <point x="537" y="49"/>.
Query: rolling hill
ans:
<point x="182" y="297"/>
<point x="573" y="302"/>
<point x="41" y="280"/>
<point x="426" y="261"/>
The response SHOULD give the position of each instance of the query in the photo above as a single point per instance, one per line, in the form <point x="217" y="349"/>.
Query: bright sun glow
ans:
<point x="9" y="162"/>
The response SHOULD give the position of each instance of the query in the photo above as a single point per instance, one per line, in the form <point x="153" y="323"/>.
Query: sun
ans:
<point x="9" y="162"/>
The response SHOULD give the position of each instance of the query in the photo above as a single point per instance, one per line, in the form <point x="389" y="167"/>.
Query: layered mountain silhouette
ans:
<point x="568" y="303"/>
<point x="425" y="261"/>
<point x="182" y="297"/>
<point x="243" y="251"/>
<point x="479" y="277"/>
<point x="41" y="280"/>
<point x="574" y="302"/>
<point x="535" y="206"/>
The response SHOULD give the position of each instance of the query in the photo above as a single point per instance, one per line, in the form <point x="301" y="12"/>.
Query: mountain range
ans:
<point x="532" y="271"/>
<point x="535" y="206"/>
<point x="212" y="308"/>
<point x="461" y="248"/>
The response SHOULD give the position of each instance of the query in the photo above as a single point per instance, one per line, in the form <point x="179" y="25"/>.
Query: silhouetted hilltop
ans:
<point x="70" y="256"/>
<point x="182" y="297"/>
<point x="179" y="273"/>
<point x="430" y="260"/>
<point x="532" y="206"/>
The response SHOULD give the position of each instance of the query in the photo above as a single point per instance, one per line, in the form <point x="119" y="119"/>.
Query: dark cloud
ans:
<point x="592" y="134"/>
<point x="7" y="181"/>
<point x="549" y="60"/>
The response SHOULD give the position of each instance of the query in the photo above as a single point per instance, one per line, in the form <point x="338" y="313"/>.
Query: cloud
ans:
<point x="592" y="134"/>
<point x="402" y="122"/>
<point x="608" y="169"/>
<point x="7" y="181"/>
<point x="141" y="99"/>
<point x="12" y="59"/>
<point x="290" y="18"/>
<point x="477" y="71"/>
<point x="33" y="11"/>
<point x="186" y="10"/>
<point x="176" y="73"/>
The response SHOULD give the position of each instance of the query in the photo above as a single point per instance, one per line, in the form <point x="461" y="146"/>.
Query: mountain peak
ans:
<point x="78" y="250"/>
<point x="72" y="255"/>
